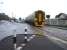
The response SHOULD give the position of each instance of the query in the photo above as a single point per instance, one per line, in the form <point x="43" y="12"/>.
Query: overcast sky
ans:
<point x="23" y="8"/>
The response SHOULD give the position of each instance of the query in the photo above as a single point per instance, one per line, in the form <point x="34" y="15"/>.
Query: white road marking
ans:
<point x="58" y="39"/>
<point x="25" y="37"/>
<point x="15" y="46"/>
<point x="22" y="45"/>
<point x="54" y="38"/>
<point x="19" y="48"/>
<point x="30" y="38"/>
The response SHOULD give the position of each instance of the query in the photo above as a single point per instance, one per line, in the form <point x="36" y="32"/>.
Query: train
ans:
<point x="36" y="19"/>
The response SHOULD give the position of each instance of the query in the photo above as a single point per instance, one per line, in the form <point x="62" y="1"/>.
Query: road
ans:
<point x="49" y="41"/>
<point x="34" y="44"/>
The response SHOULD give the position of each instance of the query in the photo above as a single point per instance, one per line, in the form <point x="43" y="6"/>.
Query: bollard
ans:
<point x="25" y="34"/>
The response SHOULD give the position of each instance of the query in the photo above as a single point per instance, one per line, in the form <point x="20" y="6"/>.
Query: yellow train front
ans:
<point x="36" y="19"/>
<point x="39" y="19"/>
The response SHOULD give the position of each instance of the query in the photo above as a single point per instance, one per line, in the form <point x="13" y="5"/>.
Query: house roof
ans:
<point x="62" y="16"/>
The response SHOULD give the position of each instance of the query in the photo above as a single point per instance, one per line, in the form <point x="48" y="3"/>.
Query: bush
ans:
<point x="3" y="16"/>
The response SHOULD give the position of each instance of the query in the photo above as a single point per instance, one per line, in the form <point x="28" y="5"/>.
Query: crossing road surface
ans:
<point x="43" y="43"/>
<point x="36" y="43"/>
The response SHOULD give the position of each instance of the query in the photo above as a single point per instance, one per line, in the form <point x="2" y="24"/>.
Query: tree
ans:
<point x="47" y="16"/>
<point x="3" y="16"/>
<point x="20" y="19"/>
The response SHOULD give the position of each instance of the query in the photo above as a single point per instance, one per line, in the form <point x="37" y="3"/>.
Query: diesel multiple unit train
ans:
<point x="37" y="18"/>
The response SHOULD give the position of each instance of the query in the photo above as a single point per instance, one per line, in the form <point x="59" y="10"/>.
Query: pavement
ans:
<point x="59" y="27"/>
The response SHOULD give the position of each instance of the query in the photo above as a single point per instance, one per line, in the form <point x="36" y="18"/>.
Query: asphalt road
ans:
<point x="36" y="43"/>
<point x="43" y="43"/>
